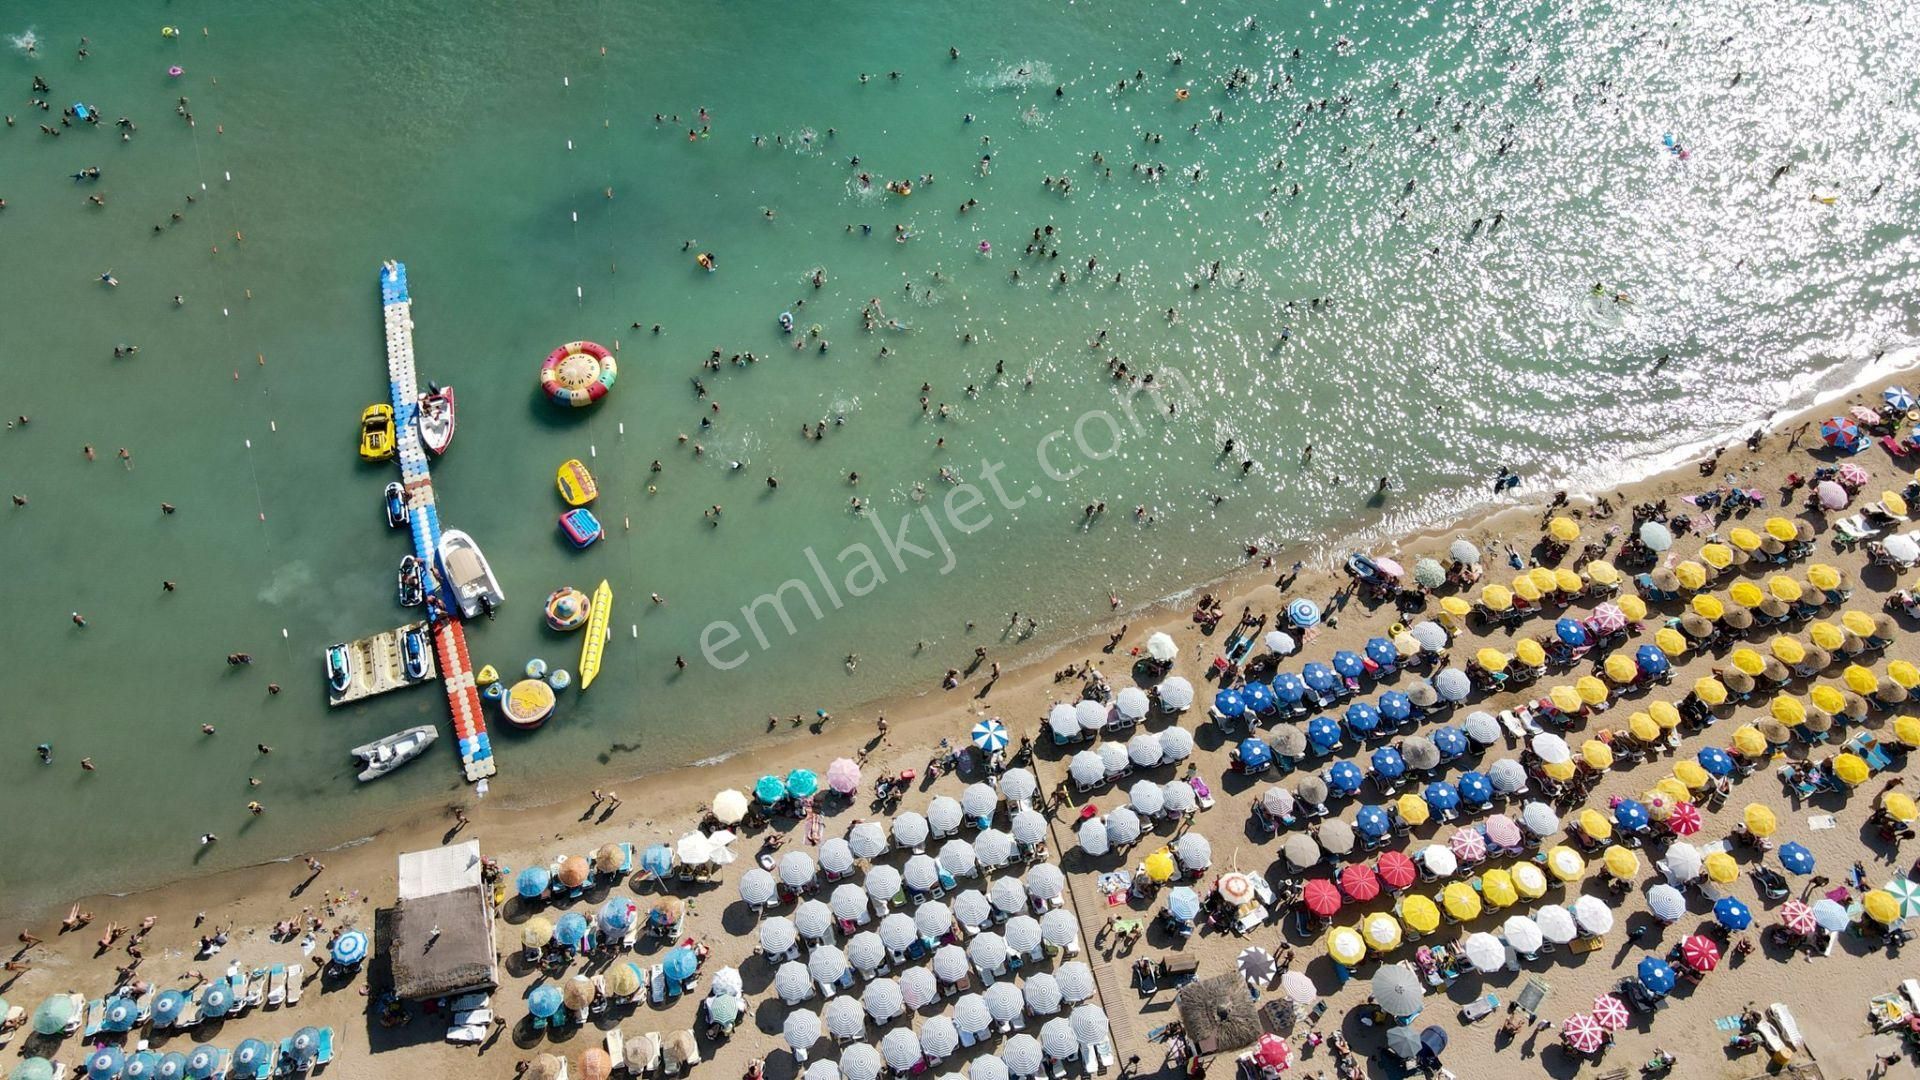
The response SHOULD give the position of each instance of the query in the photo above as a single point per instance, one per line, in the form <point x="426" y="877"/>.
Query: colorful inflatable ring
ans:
<point x="568" y="608"/>
<point x="578" y="373"/>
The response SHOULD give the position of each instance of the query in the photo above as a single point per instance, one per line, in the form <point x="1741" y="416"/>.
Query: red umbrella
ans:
<point x="1396" y="869"/>
<point x="1321" y="897"/>
<point x="1685" y="819"/>
<point x="1700" y="953"/>
<point x="1273" y="1052"/>
<point x="1583" y="1033"/>
<point x="1797" y="917"/>
<point x="1610" y="1013"/>
<point x="1359" y="883"/>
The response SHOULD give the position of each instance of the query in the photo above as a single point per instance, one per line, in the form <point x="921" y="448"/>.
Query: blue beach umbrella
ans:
<point x="1387" y="763"/>
<point x="1796" y="858"/>
<point x="1842" y="434"/>
<point x="1230" y="703"/>
<point x="143" y="1066"/>
<point x="1362" y="718"/>
<point x="167" y="1007"/>
<point x="1655" y="974"/>
<point x="216" y="999"/>
<point x="1288" y="687"/>
<point x="201" y="1061"/>
<point x="532" y="882"/>
<point x="1630" y="815"/>
<point x="1349" y="664"/>
<point x="121" y="1014"/>
<point x="1303" y="613"/>
<point x="1323" y="732"/>
<point x="803" y="784"/>
<point x="1651" y="661"/>
<point x="1475" y="788"/>
<point x="105" y="1062"/>
<point x="770" y="789"/>
<point x="1382" y="652"/>
<point x="1898" y="398"/>
<point x="657" y="860"/>
<point x="1731" y="913"/>
<point x="543" y="1000"/>
<point x="1715" y="760"/>
<point x="1183" y="903"/>
<point x="681" y="964"/>
<point x="1395" y="706"/>
<point x="173" y="1066"/>
<point x="1344" y="777"/>
<point x="1258" y="697"/>
<point x="350" y="949"/>
<point x="1450" y="741"/>
<point x="1319" y="677"/>
<point x="304" y="1045"/>
<point x="616" y="916"/>
<point x="252" y="1058"/>
<point x="1255" y="756"/>
<point x="989" y="735"/>
<point x="1372" y="821"/>
<point x="571" y="930"/>
<point x="1441" y="795"/>
<point x="1571" y="632"/>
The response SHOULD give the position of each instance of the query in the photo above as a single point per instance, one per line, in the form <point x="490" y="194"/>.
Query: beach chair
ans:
<point x="276" y="985"/>
<point x="96" y="1016"/>
<point x="657" y="984"/>
<point x="616" y="1046"/>
<point x="323" y="1055"/>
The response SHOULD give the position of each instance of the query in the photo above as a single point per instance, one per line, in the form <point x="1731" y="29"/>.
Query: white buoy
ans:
<point x="203" y="185"/>
<point x="593" y="451"/>
<point x="283" y="633"/>
<point x="229" y="176"/>
<point x="566" y="80"/>
<point x="249" y="444"/>
<point x="224" y="312"/>
<point x="273" y="425"/>
<point x="623" y="427"/>
<point x="577" y="294"/>
<point x="635" y="628"/>
<point x="576" y="217"/>
<point x="569" y="144"/>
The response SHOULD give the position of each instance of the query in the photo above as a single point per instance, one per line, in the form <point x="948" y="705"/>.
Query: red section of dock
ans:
<point x="464" y="703"/>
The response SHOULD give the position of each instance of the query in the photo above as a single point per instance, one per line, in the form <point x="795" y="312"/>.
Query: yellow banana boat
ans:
<point x="597" y="634"/>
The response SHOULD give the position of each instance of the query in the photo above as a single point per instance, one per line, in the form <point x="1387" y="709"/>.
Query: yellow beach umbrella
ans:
<point x="1860" y="680"/>
<point x="1759" y="820"/>
<point x="1827" y="699"/>
<point x="1787" y="650"/>
<point x="1722" y="868"/>
<point x="1858" y="623"/>
<point x="1346" y="946"/>
<point x="1851" y="769"/>
<point x="623" y="980"/>
<point x="1718" y="556"/>
<point x="1591" y="690"/>
<point x="1825" y="634"/>
<point x="1529" y="652"/>
<point x="1881" y="906"/>
<point x="1542" y="579"/>
<point x="1664" y="713"/>
<point x="1894" y="502"/>
<point x="1460" y="901"/>
<point x="1621" y="668"/>
<point x="1455" y="606"/>
<point x="1691" y="574"/>
<point x="1597" y="755"/>
<point x="1747" y="660"/>
<point x="1418" y="912"/>
<point x="1528" y="880"/>
<point x="536" y="932"/>
<point x="1781" y="529"/>
<point x="1708" y="606"/>
<point x="1524" y="588"/>
<point x="1904" y="673"/>
<point x="1670" y="641"/>
<point x="1159" y="866"/>
<point x="1567" y="581"/>
<point x="1491" y="659"/>
<point x="1565" y="698"/>
<point x="1412" y="809"/>
<point x="1558" y="770"/>
<point x="1787" y="709"/>
<point x="1595" y="824"/>
<point x="1823" y="577"/>
<point x="1746" y="594"/>
<point x="1563" y="529"/>
<point x="1382" y="932"/>
<point x="1633" y="607"/>
<point x="1673" y="789"/>
<point x="1621" y="862"/>
<point x="1642" y="727"/>
<point x="1565" y="864"/>
<point x="1691" y="774"/>
<point x="1496" y="597"/>
<point x="1658" y="803"/>
<point x="1784" y="588"/>
<point x="1496" y="888"/>
<point x="1748" y="740"/>
<point x="1899" y="806"/>
<point x="1602" y="572"/>
<point x="1907" y="730"/>
<point x="1744" y="538"/>
<point x="1710" y="690"/>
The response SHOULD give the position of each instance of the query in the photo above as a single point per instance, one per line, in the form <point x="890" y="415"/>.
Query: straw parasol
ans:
<point x="1218" y="1014"/>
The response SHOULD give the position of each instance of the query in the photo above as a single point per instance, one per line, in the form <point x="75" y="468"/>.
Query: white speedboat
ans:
<point x="436" y="419"/>
<point x="465" y="571"/>
<point x="382" y="756"/>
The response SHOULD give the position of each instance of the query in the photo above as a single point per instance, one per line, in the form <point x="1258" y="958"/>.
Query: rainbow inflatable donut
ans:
<point x="578" y="373"/>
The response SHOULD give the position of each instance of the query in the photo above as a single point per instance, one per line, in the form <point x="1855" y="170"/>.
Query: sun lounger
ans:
<point x="296" y="976"/>
<point x="276" y="985"/>
<point x="616" y="1048"/>
<point x="15" y="1018"/>
<point x="96" y="1016"/>
<point x="1105" y="1050"/>
<point x="324" y="1054"/>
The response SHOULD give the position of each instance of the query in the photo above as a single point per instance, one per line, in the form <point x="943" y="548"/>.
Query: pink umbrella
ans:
<point x="1852" y="475"/>
<point x="1583" y="1033"/>
<point x="1864" y="414"/>
<point x="1797" y="917"/>
<point x="1274" y="1052"/>
<point x="1685" y="819"/>
<point x="1608" y="619"/>
<point x="1389" y="567"/>
<point x="1700" y="953"/>
<point x="1610" y="1013"/>
<point x="843" y="776"/>
<point x="1832" y="495"/>
<point x="1503" y="830"/>
<point x="1467" y="845"/>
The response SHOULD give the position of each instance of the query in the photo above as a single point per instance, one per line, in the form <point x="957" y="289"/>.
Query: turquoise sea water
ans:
<point x="478" y="144"/>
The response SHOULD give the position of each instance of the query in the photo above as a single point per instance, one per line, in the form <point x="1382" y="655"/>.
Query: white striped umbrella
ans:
<point x="848" y="901"/>
<point x="1018" y="785"/>
<point x="1114" y="759"/>
<point x="910" y="830"/>
<point x="971" y="908"/>
<point x="1029" y="827"/>
<point x="939" y="1037"/>
<point x="918" y="988"/>
<point x="1042" y="993"/>
<point x="836" y="856"/>
<point x="883" y="883"/>
<point x="987" y="950"/>
<point x="1143" y="750"/>
<point x="1090" y="1024"/>
<point x="900" y="1048"/>
<point x="1093" y="837"/>
<point x="1046" y="882"/>
<point x="1145" y="798"/>
<point x="827" y="964"/>
<point x="1666" y="903"/>
<point x="860" y="1062"/>
<point x="814" y="919"/>
<point x="1540" y="819"/>
<point x="757" y="887"/>
<point x="1176" y="744"/>
<point x="1059" y="928"/>
<point x="979" y="800"/>
<point x="1057" y="1038"/>
<point x="1507" y="776"/>
<point x="802" y="1028"/>
<point x="1007" y="896"/>
<point x="1064" y="722"/>
<point x="1075" y="980"/>
<point x="778" y="934"/>
<point x="866" y="952"/>
<point x="1091" y="714"/>
<point x="882" y="1000"/>
<point x="932" y="919"/>
<point x="1022" y="933"/>
<point x="1523" y="934"/>
<point x="957" y="858"/>
<point x="844" y="1017"/>
<point x="1004" y="1002"/>
<point x="1131" y="703"/>
<point x="1481" y="727"/>
<point x="944" y="814"/>
<point x="987" y="1067"/>
<point x="992" y="847"/>
<point x="1123" y="825"/>
<point x="970" y="1014"/>
<point x="867" y="840"/>
<point x="897" y="931"/>
<point x="1556" y="924"/>
<point x="1193" y="851"/>
<point x="1022" y="1055"/>
<point x="1277" y="801"/>
<point x="796" y="869"/>
<point x="1086" y="768"/>
<point x="1176" y="693"/>
<point x="818" y="1069"/>
<point x="793" y="982"/>
<point x="921" y="873"/>
<point x="1178" y="798"/>
<point x="950" y="963"/>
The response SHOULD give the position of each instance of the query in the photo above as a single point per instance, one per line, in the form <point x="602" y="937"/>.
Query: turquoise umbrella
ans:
<point x="802" y="784"/>
<point x="105" y="1063"/>
<point x="142" y="1066"/>
<point x="771" y="789"/>
<point x="1907" y="892"/>
<point x="253" y="1058"/>
<point x="32" y="1069"/>
<point x="53" y="1015"/>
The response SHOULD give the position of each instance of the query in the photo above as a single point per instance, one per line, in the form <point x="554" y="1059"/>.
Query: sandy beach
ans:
<point x="1827" y="993"/>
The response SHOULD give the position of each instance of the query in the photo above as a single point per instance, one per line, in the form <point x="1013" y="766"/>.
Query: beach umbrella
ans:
<point x="1759" y="820"/>
<point x="989" y="735"/>
<point x="1721" y="868"/>
<point x="803" y="784"/>
<point x="1551" y="748"/>
<point x="1905" y="894"/>
<point x="1482" y="728"/>
<point x="1123" y="825"/>
<point x="1798" y="918"/>
<point x="1178" y="797"/>
<point x="801" y="1029"/>
<point x="1175" y="745"/>
<point x="1064" y="722"/>
<point x="1007" y="896"/>
<point x="532" y="882"/>
<point x="900" y="1049"/>
<point x="910" y="830"/>
<point x="1899" y="806"/>
<point x="1183" y="903"/>
<point x="757" y="887"/>
<point x="1411" y="809"/>
<point x="1086" y="768"/>
<point x="1540" y="819"/>
<point x="1656" y="536"/>
<point x="121" y="1013"/>
<point x="1556" y="924"/>
<point x="1362" y="718"/>
<point x="1176" y="693"/>
<point x="1381" y="652"/>
<point x="1192" y="850"/>
<point x="1131" y="703"/>
<point x="105" y="1062"/>
<point x="625" y="980"/>
<point x="1255" y="757"/>
<point x="1419" y="913"/>
<point x="681" y="964"/>
<point x="1381" y="931"/>
<point x="1491" y="659"/>
<point x="1507" y="776"/>
<point x="1452" y="684"/>
<point x="1091" y="714"/>
<point x="1017" y="785"/>
<point x="577" y="992"/>
<point x="1359" y="882"/>
<point x="1620" y="862"/>
<point x="1684" y="861"/>
<point x="1429" y="573"/>
<point x="796" y="870"/>
<point x="862" y="1062"/>
<point x="254" y="1058"/>
<point x="1320" y="896"/>
<point x="1301" y="851"/>
<point x="1666" y="903"/>
<point x="1475" y="789"/>
<point x="1397" y="991"/>
<point x="1421" y="692"/>
<point x="1596" y="755"/>
<point x="1348" y="664"/>
<point x="1090" y="1024"/>
<point x="1485" y="952"/>
<point x="950" y="963"/>
<point x="1441" y="795"/>
<point x="1345" y="777"/>
<point x="167" y="1007"/>
<point x="216" y="999"/>
<point x="1323" y="732"/>
<point x="1022" y="1054"/>
<point x="1431" y="635"/>
<point x="770" y="789"/>
<point x="1563" y="529"/>
<point x="1303" y="613"/>
<point x="350" y="948"/>
<point x="1729" y="912"/>
<point x="1372" y="821"/>
<point x="1850" y="768"/>
<point x="1059" y="928"/>
<point x="882" y="1000"/>
<point x="845" y="1018"/>
<point x="1335" y="836"/>
<point x="1467" y="845"/>
<point x="1419" y="752"/>
<point x="971" y="1016"/>
<point x="1075" y="981"/>
<point x="1280" y="642"/>
<point x="1464" y="551"/>
<point x="1503" y="831"/>
<point x="971" y="908"/>
<point x="1795" y="857"/>
<point x="1497" y="889"/>
<point x="544" y="1000"/>
<point x="1593" y="915"/>
<point x="867" y="840"/>
<point x="1058" y="1040"/>
<point x="1630" y="814"/>
<point x="814" y="919"/>
<point x="1496" y="598"/>
<point x="1045" y="882"/>
<point x="1842" y="434"/>
<point x="1699" y="952"/>
<point x="1523" y="934"/>
<point x="1460" y="901"/>
<point x="1387" y="763"/>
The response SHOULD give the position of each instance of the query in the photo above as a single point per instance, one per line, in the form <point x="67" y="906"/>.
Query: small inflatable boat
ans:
<point x="382" y="756"/>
